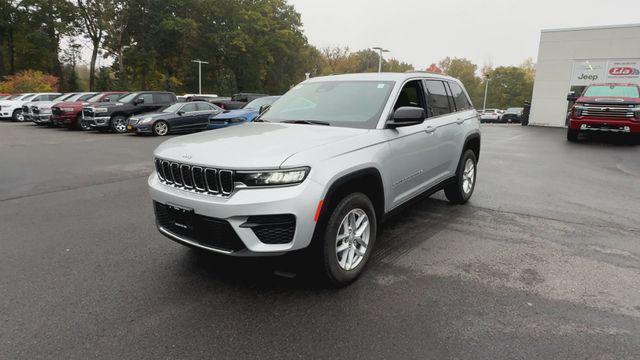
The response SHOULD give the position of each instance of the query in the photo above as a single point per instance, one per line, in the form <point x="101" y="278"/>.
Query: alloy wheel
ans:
<point x="352" y="239"/>
<point x="161" y="128"/>
<point x="120" y="125"/>
<point x="468" y="176"/>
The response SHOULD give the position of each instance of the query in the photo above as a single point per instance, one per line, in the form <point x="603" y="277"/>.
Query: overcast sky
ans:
<point x="499" y="32"/>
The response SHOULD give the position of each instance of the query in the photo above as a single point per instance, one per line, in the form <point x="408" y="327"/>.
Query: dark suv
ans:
<point x="115" y="115"/>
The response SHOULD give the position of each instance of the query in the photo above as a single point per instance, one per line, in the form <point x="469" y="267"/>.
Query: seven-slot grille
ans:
<point x="25" y="109"/>
<point x="35" y="110"/>
<point x="195" y="178"/>
<point x="88" y="112"/>
<point x="613" y="111"/>
<point x="56" y="110"/>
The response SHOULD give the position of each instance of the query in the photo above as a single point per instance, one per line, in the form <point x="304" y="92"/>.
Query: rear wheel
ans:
<point x="348" y="239"/>
<point x="119" y="124"/>
<point x="572" y="135"/>
<point x="461" y="190"/>
<point x="160" y="128"/>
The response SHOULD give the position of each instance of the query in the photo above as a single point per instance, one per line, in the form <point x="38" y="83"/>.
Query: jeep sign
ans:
<point x="587" y="72"/>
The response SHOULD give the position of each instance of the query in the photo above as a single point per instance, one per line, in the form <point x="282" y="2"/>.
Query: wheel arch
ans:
<point x="472" y="142"/>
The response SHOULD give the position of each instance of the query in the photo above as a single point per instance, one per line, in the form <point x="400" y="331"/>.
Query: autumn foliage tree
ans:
<point x="29" y="81"/>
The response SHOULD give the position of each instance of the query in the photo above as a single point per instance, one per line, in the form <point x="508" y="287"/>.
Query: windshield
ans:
<point x="257" y="103"/>
<point x="172" y="108"/>
<point x="84" y="97"/>
<point x="14" y="97"/>
<point x="28" y="97"/>
<point x="128" y="98"/>
<point x="355" y="104"/>
<point x="613" y="90"/>
<point x="95" y="98"/>
<point x="63" y="97"/>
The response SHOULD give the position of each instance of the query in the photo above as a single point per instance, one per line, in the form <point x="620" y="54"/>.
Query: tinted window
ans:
<point x="189" y="108"/>
<point x="53" y="96"/>
<point x="459" y="97"/>
<point x="147" y="98"/>
<point x="163" y="98"/>
<point x="438" y="102"/>
<point x="113" y="98"/>
<point x="410" y="95"/>
<point x="86" y="97"/>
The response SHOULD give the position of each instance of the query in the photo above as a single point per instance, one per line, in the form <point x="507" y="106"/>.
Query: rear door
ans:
<point x="188" y="117"/>
<point x="465" y="116"/>
<point x="204" y="111"/>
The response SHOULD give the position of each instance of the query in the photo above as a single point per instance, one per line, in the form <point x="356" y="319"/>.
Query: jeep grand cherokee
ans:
<point x="320" y="169"/>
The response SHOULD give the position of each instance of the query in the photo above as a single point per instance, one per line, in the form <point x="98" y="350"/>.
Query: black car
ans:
<point x="237" y="101"/>
<point x="512" y="115"/>
<point x="179" y="117"/>
<point x="114" y="116"/>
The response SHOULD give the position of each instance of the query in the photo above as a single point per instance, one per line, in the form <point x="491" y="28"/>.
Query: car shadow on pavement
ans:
<point x="400" y="234"/>
<point x="620" y="140"/>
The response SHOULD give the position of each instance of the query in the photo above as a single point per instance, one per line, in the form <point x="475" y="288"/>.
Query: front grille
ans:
<point x="195" y="178"/>
<point x="87" y="112"/>
<point x="272" y="229"/>
<point x="25" y="109"/>
<point x="35" y="110"/>
<point x="203" y="230"/>
<point x="56" y="110"/>
<point x="609" y="111"/>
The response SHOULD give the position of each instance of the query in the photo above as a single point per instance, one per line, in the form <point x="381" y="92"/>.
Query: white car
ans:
<point x="490" y="115"/>
<point x="12" y="107"/>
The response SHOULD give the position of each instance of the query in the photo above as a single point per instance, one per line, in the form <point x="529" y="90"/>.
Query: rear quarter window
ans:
<point x="459" y="97"/>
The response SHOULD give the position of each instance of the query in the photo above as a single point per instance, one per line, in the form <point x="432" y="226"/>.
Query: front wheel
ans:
<point x="119" y="124"/>
<point x="460" y="191"/>
<point x="160" y="128"/>
<point x="17" y="115"/>
<point x="348" y="239"/>
<point x="81" y="124"/>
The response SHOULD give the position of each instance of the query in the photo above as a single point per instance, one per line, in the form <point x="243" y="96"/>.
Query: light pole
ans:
<point x="380" y="51"/>
<point x="486" y="87"/>
<point x="199" y="62"/>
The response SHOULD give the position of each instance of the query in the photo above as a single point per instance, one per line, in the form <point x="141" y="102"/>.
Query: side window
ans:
<point x="112" y="98"/>
<point x="203" y="106"/>
<point x="459" y="97"/>
<point x="410" y="95"/>
<point x="438" y="102"/>
<point x="189" y="108"/>
<point x="146" y="98"/>
<point x="163" y="98"/>
<point x="53" y="96"/>
<point x="41" y="98"/>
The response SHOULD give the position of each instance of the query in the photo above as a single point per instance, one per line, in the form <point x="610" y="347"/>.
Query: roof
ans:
<point x="602" y="27"/>
<point x="379" y="76"/>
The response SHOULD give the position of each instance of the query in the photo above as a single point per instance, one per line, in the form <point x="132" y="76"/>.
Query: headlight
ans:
<point x="145" y="120"/>
<point x="272" y="178"/>
<point x="67" y="109"/>
<point x="100" y="110"/>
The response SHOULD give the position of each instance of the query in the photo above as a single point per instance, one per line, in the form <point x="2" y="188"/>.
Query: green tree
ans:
<point x="509" y="86"/>
<point x="465" y="71"/>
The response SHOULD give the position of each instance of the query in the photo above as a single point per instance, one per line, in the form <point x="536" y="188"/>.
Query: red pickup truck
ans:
<point x="605" y="108"/>
<point x="69" y="114"/>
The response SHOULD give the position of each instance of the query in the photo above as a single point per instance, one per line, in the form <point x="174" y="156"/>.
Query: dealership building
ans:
<point x="571" y="59"/>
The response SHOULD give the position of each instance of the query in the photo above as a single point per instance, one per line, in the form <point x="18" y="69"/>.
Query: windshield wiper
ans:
<point x="307" y="122"/>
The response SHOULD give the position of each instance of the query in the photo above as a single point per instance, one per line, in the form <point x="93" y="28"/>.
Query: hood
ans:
<point x="607" y="100"/>
<point x="105" y="104"/>
<point x="75" y="104"/>
<point x="251" y="145"/>
<point x="42" y="104"/>
<point x="232" y="114"/>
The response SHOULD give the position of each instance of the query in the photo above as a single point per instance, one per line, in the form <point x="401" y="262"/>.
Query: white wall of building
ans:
<point x="580" y="56"/>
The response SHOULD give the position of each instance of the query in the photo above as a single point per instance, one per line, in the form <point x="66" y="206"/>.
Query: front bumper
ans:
<point x="97" y="122"/>
<point x="64" y="119"/>
<point x="605" y="125"/>
<point x="134" y="126"/>
<point x="41" y="119"/>
<point x="301" y="201"/>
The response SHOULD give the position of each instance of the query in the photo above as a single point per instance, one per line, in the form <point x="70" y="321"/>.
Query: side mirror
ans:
<point x="180" y="113"/>
<point x="264" y="109"/>
<point x="138" y="101"/>
<point x="572" y="97"/>
<point x="407" y="116"/>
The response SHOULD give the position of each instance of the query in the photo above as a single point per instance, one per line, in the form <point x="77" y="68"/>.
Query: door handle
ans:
<point x="430" y="129"/>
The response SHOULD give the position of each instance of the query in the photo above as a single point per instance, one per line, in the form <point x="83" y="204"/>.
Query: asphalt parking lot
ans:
<point x="544" y="262"/>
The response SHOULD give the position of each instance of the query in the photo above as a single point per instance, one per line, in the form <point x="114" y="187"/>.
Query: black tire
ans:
<point x="79" y="124"/>
<point x="332" y="271"/>
<point x="572" y="135"/>
<point x="459" y="192"/>
<point x="160" y="128"/>
<point x="16" y="116"/>
<point x="118" y="124"/>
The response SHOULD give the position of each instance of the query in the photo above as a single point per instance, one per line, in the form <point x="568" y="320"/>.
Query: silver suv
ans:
<point x="320" y="169"/>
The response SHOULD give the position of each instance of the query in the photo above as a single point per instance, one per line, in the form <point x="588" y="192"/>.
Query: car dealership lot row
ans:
<point x="545" y="255"/>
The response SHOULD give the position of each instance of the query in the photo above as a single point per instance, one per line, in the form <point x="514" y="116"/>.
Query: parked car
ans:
<point x="68" y="113"/>
<point x="325" y="165"/>
<point x="12" y="107"/>
<point x="179" y="117"/>
<point x="114" y="116"/>
<point x="237" y="101"/>
<point x="3" y="96"/>
<point x="40" y="112"/>
<point x="490" y="115"/>
<point x="43" y="98"/>
<point x="512" y="115"/>
<point x="611" y="108"/>
<point x="241" y="116"/>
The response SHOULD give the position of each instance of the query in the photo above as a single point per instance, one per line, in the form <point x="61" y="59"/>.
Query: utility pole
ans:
<point x="199" y="62"/>
<point x="380" y="51"/>
<point x="486" y="87"/>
